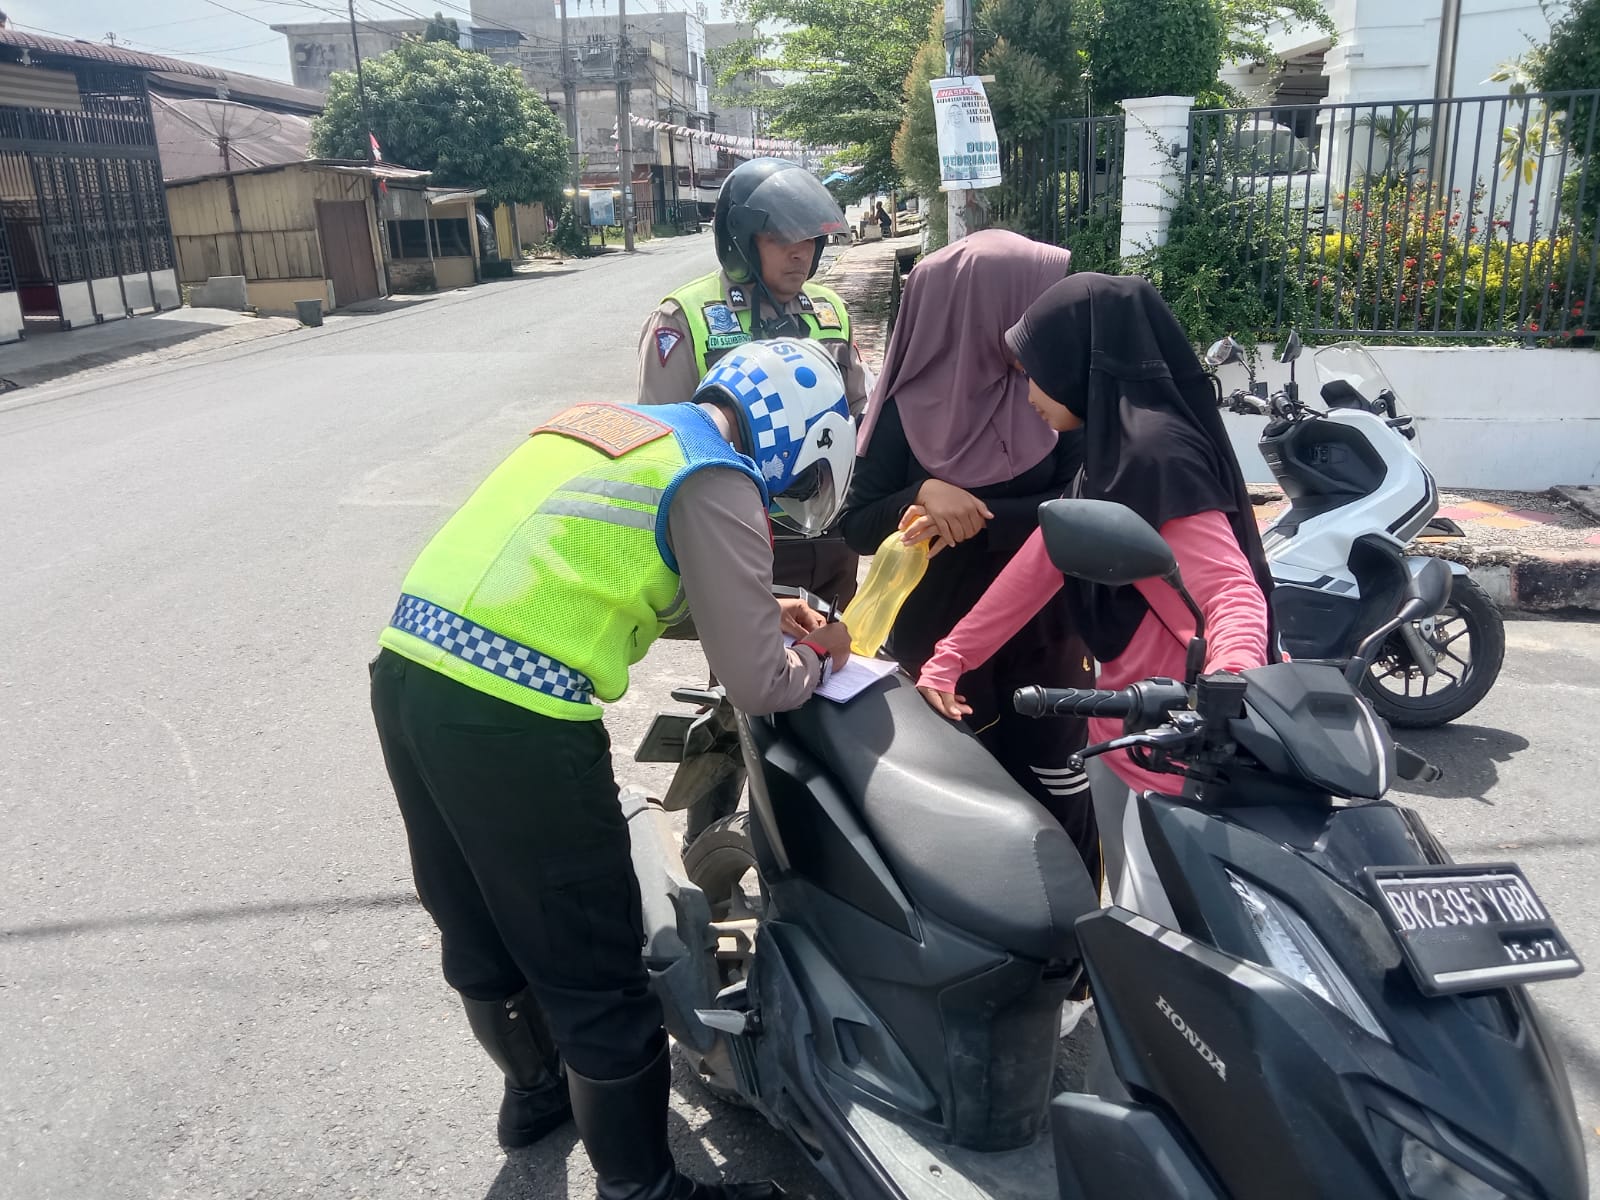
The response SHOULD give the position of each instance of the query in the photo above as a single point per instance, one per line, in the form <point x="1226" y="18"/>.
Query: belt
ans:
<point x="484" y="648"/>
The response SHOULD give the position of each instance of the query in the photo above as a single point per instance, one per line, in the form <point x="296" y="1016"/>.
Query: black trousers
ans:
<point x="521" y="855"/>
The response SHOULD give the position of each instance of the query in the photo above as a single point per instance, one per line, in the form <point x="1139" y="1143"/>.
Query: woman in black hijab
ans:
<point x="1105" y="355"/>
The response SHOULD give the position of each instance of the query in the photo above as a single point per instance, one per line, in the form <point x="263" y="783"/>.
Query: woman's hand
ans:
<point x="945" y="513"/>
<point x="799" y="618"/>
<point x="946" y="704"/>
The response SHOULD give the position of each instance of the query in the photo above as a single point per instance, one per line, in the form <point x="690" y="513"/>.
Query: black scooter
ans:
<point x="874" y="956"/>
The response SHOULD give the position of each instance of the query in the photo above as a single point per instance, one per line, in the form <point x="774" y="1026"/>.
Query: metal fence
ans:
<point x="1467" y="218"/>
<point x="1064" y="185"/>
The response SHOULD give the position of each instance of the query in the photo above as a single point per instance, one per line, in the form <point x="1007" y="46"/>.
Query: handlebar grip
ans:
<point x="1071" y="702"/>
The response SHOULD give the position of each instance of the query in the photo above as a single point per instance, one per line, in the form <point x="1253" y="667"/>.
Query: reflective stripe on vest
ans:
<point x="484" y="648"/>
<point x="694" y="298"/>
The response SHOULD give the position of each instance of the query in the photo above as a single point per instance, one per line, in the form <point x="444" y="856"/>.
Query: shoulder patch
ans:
<point x="737" y="297"/>
<point x="612" y="429"/>
<point x="806" y="303"/>
<point x="721" y="319"/>
<point x="826" y="316"/>
<point x="666" y="341"/>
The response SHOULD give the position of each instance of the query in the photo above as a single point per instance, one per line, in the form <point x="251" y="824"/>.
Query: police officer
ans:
<point x="773" y="220"/>
<point x="606" y="525"/>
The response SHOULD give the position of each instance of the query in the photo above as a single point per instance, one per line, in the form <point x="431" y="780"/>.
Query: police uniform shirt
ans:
<point x="668" y="373"/>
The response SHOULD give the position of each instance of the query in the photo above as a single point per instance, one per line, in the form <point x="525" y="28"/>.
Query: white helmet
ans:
<point x="796" y="424"/>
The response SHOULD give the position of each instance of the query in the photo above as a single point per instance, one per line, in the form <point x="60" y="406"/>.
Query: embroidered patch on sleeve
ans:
<point x="612" y="429"/>
<point x="826" y="316"/>
<point x="666" y="341"/>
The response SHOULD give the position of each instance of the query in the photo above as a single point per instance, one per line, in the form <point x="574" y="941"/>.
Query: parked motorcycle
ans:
<point x="1359" y="493"/>
<point x="875" y="955"/>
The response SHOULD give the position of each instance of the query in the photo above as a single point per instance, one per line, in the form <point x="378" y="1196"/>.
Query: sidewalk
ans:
<point x="1535" y="552"/>
<point x="863" y="275"/>
<point x="145" y="340"/>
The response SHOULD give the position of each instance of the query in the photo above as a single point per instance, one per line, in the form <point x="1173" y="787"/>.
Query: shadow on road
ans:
<point x="331" y="905"/>
<point x="538" y="1173"/>
<point x="1470" y="756"/>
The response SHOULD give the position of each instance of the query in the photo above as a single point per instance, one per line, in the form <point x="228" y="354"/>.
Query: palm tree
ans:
<point x="1402" y="133"/>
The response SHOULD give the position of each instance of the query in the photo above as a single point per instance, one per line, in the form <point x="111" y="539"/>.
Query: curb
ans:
<point x="1556" y="582"/>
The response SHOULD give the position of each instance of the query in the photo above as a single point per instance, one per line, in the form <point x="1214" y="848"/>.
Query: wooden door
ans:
<point x="347" y="250"/>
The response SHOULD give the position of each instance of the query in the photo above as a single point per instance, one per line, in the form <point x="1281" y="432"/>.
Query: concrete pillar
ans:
<point x="1152" y="174"/>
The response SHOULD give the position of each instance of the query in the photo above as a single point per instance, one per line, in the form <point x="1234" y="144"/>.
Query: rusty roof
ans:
<point x="98" y="52"/>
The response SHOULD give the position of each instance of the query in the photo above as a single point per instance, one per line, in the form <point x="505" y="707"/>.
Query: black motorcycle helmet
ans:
<point x="770" y="195"/>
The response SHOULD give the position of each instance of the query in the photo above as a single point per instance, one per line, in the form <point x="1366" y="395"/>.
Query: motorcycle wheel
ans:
<point x="1468" y="639"/>
<point x="721" y="862"/>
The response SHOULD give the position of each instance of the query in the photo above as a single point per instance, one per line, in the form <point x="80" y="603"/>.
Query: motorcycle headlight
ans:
<point x="1431" y="1176"/>
<point x="1292" y="949"/>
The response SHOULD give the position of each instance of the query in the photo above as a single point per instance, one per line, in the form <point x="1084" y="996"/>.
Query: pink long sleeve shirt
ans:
<point x="1217" y="575"/>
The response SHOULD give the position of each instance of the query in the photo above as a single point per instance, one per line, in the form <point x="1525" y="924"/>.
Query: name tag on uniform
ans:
<point x="826" y="315"/>
<point x="609" y="428"/>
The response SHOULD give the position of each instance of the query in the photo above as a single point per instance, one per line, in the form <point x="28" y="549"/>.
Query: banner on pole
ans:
<point x="969" y="148"/>
<point x="602" y="210"/>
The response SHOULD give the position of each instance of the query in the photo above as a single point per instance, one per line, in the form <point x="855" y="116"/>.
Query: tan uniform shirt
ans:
<point x="718" y="530"/>
<point x="667" y="370"/>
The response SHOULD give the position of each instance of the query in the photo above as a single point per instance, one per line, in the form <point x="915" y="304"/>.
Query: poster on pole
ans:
<point x="969" y="148"/>
<point x="602" y="211"/>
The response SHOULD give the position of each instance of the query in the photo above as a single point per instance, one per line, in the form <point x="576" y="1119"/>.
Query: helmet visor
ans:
<point x="811" y="502"/>
<point x="796" y="208"/>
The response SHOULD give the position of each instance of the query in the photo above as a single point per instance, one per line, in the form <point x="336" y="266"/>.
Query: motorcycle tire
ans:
<point x="1484" y="629"/>
<point x="718" y="862"/>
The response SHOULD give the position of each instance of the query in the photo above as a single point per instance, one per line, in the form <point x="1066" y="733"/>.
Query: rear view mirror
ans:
<point x="1291" y="347"/>
<point x="1224" y="352"/>
<point x="1430" y="584"/>
<point x="1103" y="542"/>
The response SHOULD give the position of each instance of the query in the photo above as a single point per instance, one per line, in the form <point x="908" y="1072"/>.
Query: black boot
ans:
<point x="623" y="1123"/>
<point x="513" y="1032"/>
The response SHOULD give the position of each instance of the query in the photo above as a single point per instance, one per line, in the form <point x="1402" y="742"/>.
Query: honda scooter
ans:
<point x="1359" y="493"/>
<point x="875" y="955"/>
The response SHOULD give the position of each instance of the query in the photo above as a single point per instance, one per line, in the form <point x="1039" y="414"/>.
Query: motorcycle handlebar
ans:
<point x="1073" y="702"/>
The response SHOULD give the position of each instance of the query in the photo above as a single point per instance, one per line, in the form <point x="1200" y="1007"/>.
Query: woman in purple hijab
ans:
<point x="948" y="440"/>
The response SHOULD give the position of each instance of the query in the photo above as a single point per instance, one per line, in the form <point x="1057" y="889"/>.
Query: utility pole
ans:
<point x="625" y="124"/>
<point x="372" y="156"/>
<point x="964" y="205"/>
<point x="569" y="102"/>
<point x="1444" y="78"/>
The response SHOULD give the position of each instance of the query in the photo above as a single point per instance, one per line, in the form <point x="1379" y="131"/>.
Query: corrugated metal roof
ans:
<point x="247" y="89"/>
<point x="101" y="53"/>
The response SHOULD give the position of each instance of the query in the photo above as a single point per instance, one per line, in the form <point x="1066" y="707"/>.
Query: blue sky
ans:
<point x="235" y="34"/>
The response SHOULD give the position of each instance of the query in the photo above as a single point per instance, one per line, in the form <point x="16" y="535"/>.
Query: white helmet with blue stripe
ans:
<point x="789" y="396"/>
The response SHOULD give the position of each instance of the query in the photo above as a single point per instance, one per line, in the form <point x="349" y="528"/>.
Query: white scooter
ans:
<point x="1358" y="494"/>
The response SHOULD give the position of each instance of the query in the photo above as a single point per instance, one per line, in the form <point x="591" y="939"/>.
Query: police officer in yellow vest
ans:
<point x="527" y="609"/>
<point x="772" y="222"/>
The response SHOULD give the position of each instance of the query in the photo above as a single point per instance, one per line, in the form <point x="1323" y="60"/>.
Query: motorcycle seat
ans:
<point x="965" y="842"/>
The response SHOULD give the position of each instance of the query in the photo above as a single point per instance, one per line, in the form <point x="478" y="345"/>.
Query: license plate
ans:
<point x="1470" y="928"/>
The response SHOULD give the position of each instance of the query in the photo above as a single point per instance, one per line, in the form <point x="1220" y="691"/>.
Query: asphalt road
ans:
<point x="214" y="979"/>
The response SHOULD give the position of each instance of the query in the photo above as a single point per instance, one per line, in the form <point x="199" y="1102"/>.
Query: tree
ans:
<point x="439" y="108"/>
<point x="843" y="66"/>
<point x="1156" y="48"/>
<point x="1246" y="24"/>
<point x="916" y="145"/>
<point x="442" y="29"/>
<point x="1571" y="63"/>
<point x="1031" y="47"/>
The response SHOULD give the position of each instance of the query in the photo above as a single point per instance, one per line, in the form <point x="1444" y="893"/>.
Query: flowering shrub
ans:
<point x="1410" y="261"/>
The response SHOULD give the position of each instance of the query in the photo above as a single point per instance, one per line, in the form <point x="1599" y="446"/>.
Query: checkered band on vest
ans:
<point x="484" y="648"/>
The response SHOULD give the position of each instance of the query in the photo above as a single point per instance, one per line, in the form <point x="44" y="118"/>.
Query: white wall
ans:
<point x="1505" y="419"/>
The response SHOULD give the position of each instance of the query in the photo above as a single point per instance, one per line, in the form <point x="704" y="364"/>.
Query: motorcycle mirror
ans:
<point x="1104" y="543"/>
<point x="1291" y="347"/>
<point x="1223" y="352"/>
